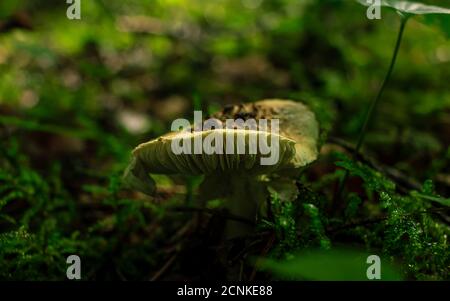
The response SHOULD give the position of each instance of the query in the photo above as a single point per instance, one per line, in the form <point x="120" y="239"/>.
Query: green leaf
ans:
<point x="334" y="265"/>
<point x="442" y="201"/>
<point x="409" y="8"/>
<point x="428" y="193"/>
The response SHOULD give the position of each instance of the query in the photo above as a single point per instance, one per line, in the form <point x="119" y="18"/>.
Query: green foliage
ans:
<point x="315" y="229"/>
<point x="42" y="227"/>
<point x="354" y="202"/>
<point x="334" y="265"/>
<point x="284" y="211"/>
<point x="374" y="181"/>
<point x="412" y="233"/>
<point x="408" y="228"/>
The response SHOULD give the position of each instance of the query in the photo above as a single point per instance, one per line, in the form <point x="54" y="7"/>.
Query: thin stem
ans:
<point x="374" y="103"/>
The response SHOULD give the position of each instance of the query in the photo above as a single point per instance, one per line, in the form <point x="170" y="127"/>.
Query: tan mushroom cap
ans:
<point x="296" y="147"/>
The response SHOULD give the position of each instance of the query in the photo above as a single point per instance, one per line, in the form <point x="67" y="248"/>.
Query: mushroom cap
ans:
<point x="297" y="122"/>
<point x="296" y="147"/>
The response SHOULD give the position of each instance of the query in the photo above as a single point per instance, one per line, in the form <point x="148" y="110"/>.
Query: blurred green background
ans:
<point x="77" y="95"/>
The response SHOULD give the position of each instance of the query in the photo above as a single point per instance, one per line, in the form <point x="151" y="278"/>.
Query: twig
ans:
<point x="357" y="224"/>
<point x="245" y="250"/>
<point x="263" y="253"/>
<point x="164" y="268"/>
<point x="396" y="175"/>
<point x="380" y="219"/>
<point x="182" y="231"/>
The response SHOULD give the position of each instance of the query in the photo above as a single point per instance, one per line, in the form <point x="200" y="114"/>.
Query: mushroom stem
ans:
<point x="244" y="196"/>
<point x="247" y="195"/>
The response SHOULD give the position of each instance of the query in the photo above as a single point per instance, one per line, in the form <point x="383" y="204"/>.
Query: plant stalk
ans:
<point x="374" y="103"/>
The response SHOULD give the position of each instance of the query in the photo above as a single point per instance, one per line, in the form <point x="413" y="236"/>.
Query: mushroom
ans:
<point x="235" y="168"/>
